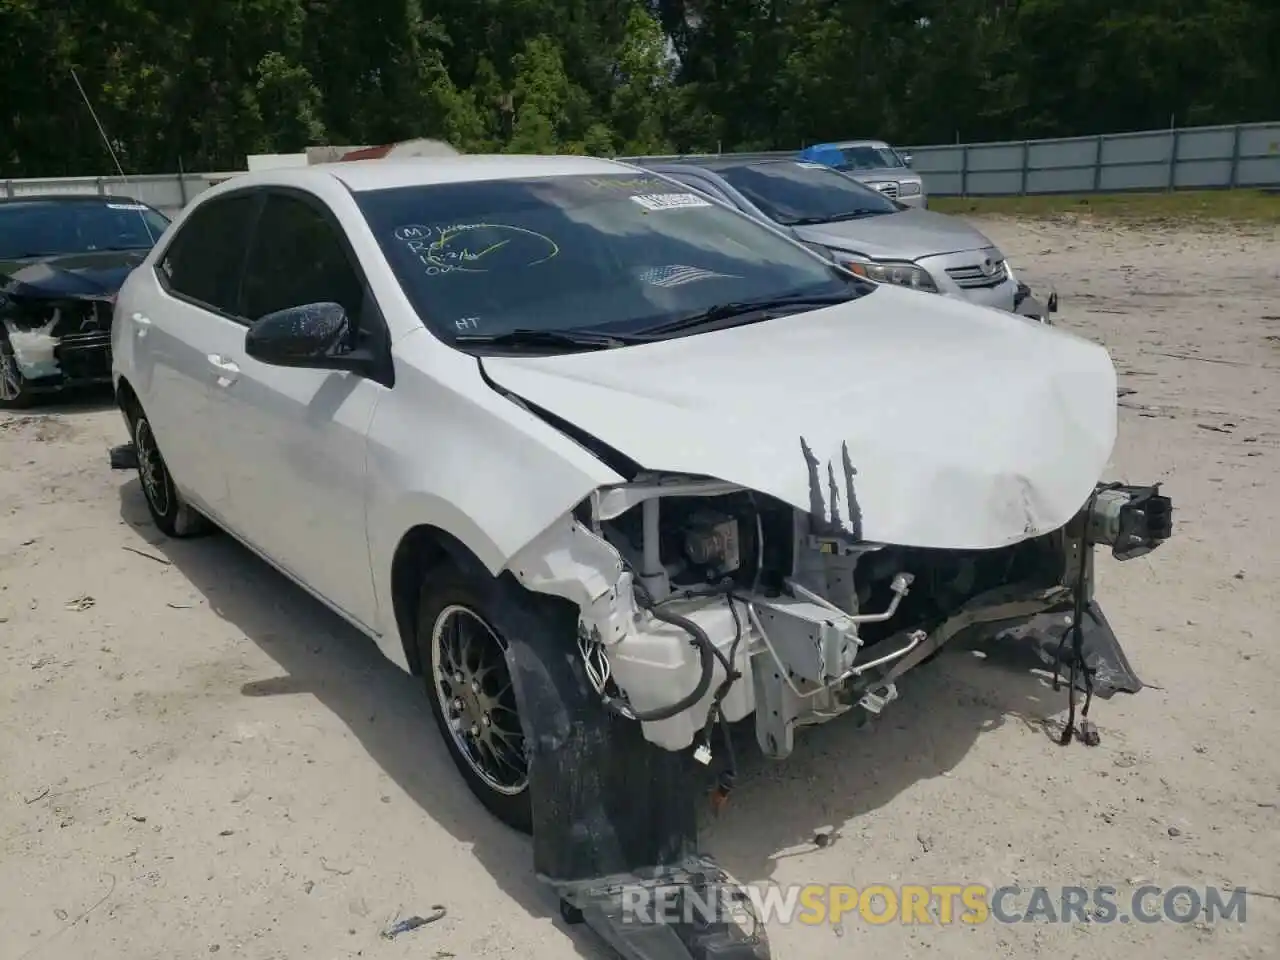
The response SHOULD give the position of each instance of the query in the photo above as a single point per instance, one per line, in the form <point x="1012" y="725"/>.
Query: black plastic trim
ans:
<point x="612" y="458"/>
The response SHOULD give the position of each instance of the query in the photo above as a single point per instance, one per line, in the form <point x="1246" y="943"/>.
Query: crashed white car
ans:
<point x="612" y="467"/>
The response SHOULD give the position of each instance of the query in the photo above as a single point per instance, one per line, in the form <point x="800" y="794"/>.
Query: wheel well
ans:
<point x="126" y="399"/>
<point x="421" y="550"/>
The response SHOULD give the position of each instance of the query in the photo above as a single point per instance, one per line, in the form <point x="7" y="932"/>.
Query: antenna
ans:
<point x="111" y="150"/>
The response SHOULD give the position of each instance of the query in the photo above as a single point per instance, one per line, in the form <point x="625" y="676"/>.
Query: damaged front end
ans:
<point x="703" y="604"/>
<point x="50" y="343"/>
<point x="56" y="309"/>
<point x="1027" y="305"/>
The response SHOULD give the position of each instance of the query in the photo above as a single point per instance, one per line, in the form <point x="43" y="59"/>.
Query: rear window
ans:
<point x="623" y="251"/>
<point x="794" y="192"/>
<point x="46" y="228"/>
<point x="869" y="158"/>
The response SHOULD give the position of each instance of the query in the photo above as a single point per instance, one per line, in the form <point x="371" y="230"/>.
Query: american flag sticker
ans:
<point x="670" y="201"/>
<point x="679" y="274"/>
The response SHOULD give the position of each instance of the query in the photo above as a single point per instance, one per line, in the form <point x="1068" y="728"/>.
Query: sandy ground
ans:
<point x="197" y="758"/>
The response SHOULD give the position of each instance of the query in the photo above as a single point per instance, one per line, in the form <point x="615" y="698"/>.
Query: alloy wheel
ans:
<point x="11" y="380"/>
<point x="474" y="690"/>
<point x="151" y="468"/>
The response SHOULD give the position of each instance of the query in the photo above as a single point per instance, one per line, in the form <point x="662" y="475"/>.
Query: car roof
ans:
<point x="381" y="174"/>
<point x="844" y="144"/>
<point x="720" y="162"/>
<point x="68" y="198"/>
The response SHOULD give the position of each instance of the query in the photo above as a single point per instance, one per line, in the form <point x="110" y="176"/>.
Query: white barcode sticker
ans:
<point x="670" y="201"/>
<point x="125" y="206"/>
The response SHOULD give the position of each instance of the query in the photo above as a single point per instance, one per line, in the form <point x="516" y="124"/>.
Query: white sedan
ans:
<point x="613" y="467"/>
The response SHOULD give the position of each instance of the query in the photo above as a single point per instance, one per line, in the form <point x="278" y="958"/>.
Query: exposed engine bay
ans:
<point x="729" y="576"/>
<point x="701" y="604"/>
<point x="728" y="603"/>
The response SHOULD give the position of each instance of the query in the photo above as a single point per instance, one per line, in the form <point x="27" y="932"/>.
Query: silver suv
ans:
<point x="861" y="228"/>
<point x="874" y="163"/>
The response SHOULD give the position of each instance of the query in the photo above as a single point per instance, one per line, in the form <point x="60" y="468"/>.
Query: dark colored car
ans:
<point x="62" y="260"/>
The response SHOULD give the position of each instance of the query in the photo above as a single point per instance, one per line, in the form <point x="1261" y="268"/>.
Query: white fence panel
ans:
<point x="1243" y="155"/>
<point x="168" y="193"/>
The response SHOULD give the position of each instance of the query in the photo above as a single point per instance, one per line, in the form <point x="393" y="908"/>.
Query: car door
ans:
<point x="296" y="438"/>
<point x="176" y="327"/>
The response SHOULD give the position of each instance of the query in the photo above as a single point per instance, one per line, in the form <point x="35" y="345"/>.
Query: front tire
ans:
<point x="463" y="653"/>
<point x="170" y="512"/>
<point x="15" y="394"/>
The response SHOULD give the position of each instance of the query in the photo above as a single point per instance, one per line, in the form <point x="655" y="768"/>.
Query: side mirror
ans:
<point x="907" y="158"/>
<point x="315" y="335"/>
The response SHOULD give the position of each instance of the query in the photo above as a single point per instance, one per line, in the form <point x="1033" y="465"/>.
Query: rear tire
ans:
<point x="170" y="512"/>
<point x="14" y="391"/>
<point x="462" y="649"/>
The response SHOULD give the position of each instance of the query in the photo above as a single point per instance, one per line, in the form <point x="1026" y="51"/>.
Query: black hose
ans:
<point x="1076" y="633"/>
<point x="730" y="773"/>
<point x="707" y="654"/>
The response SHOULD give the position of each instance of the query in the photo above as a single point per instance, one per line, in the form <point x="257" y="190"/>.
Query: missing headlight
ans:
<point x="1133" y="521"/>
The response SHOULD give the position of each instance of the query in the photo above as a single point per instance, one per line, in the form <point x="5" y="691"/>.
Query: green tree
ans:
<point x="641" y="98"/>
<point x="288" y="104"/>
<point x="202" y="85"/>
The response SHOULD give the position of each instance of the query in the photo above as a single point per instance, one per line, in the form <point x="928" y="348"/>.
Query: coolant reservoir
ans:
<point x="658" y="665"/>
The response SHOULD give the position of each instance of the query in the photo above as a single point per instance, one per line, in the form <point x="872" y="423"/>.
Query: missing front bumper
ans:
<point x="614" y="812"/>
<point x="783" y="704"/>
<point x="793" y="685"/>
<point x="1027" y="305"/>
<point x="84" y="358"/>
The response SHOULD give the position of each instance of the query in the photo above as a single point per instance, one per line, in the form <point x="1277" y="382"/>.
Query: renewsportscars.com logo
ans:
<point x="929" y="905"/>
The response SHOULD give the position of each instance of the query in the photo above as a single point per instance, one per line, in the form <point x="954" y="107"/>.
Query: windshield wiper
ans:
<point x="766" y="307"/>
<point x="571" y="339"/>
<point x="857" y="214"/>
<point x="837" y="218"/>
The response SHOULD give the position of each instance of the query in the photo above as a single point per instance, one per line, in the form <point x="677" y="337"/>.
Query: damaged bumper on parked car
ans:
<point x="789" y="575"/>
<point x="55" y="320"/>
<point x="1027" y="305"/>
<point x="60" y="343"/>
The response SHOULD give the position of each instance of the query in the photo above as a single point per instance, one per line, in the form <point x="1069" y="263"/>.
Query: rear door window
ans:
<point x="203" y="262"/>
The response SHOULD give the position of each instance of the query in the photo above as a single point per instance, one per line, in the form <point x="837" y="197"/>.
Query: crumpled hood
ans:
<point x="953" y="426"/>
<point x="906" y="235"/>
<point x="99" y="274"/>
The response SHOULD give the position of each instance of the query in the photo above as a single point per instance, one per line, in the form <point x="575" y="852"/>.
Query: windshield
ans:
<point x="626" y="251"/>
<point x="46" y="228"/>
<point x="868" y="158"/>
<point x="793" y="192"/>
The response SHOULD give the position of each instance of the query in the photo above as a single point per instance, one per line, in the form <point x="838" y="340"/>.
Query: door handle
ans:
<point x="226" y="370"/>
<point x="140" y="323"/>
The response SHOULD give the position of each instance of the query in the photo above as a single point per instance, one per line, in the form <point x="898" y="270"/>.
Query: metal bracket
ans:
<point x="815" y="643"/>
<point x="877" y="698"/>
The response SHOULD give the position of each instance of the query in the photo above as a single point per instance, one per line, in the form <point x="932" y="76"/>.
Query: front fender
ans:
<point x="448" y="451"/>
